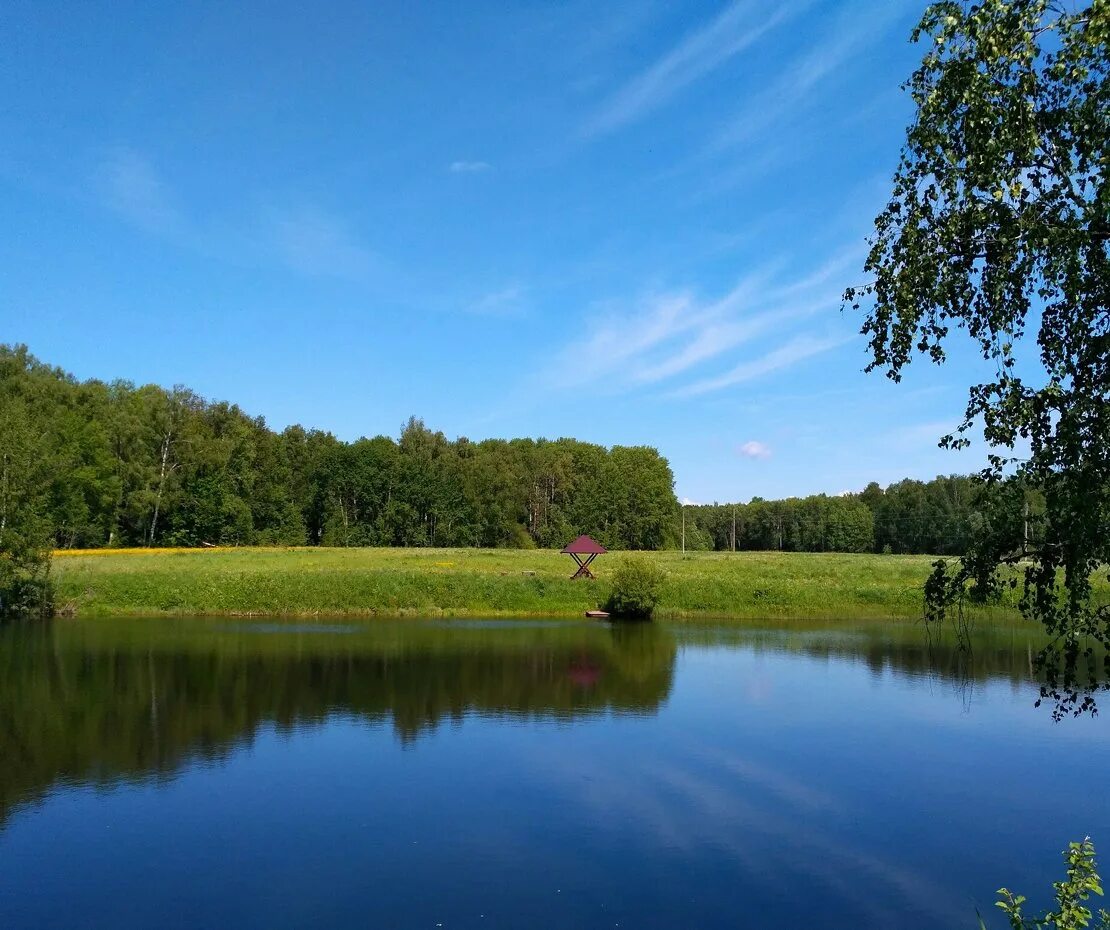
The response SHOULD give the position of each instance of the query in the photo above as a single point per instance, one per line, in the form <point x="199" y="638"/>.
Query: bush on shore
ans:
<point x="637" y="585"/>
<point x="25" y="584"/>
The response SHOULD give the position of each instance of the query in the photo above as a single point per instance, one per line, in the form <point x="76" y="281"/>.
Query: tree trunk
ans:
<point x="4" y="499"/>
<point x="166" y="440"/>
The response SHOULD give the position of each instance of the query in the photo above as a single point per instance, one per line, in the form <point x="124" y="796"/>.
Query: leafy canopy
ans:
<point x="998" y="226"/>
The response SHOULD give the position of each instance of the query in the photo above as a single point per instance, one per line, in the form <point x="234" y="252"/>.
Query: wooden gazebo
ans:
<point x="584" y="550"/>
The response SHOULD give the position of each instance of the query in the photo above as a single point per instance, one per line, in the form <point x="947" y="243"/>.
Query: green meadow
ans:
<point x="479" y="582"/>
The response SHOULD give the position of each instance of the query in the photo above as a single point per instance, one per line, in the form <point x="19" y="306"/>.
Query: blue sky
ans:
<point x="627" y="223"/>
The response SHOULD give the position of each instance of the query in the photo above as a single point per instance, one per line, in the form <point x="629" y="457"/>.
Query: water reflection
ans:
<point x="100" y="701"/>
<point x="996" y="651"/>
<point x="817" y="775"/>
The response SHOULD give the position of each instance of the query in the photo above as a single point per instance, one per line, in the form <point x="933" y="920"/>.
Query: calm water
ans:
<point x="200" y="773"/>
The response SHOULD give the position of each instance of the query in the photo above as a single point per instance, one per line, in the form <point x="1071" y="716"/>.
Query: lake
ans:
<point x="210" y="773"/>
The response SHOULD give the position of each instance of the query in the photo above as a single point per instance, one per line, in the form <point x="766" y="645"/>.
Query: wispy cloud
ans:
<point x="754" y="449"/>
<point x="784" y="356"/>
<point x="130" y="186"/>
<point x="739" y="26"/>
<point x="711" y="340"/>
<point x="302" y="237"/>
<point x="853" y="29"/>
<point x="312" y="242"/>
<point x="748" y="812"/>
<point x="469" y="167"/>
<point x="668" y="338"/>
<point x="617" y="341"/>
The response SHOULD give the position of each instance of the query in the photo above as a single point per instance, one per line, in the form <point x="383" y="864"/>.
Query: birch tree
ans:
<point x="997" y="232"/>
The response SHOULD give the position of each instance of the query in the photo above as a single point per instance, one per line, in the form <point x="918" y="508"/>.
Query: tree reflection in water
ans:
<point x="102" y="701"/>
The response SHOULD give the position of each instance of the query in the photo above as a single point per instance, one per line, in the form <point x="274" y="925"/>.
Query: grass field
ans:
<point x="469" y="582"/>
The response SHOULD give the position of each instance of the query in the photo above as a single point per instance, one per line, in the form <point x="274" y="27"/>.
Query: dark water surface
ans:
<point x="202" y="773"/>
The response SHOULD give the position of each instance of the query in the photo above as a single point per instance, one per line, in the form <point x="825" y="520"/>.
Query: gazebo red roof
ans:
<point x="584" y="545"/>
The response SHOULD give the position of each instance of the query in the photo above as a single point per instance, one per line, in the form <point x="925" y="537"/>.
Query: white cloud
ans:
<point x="736" y="28"/>
<point x="754" y="449"/>
<point x="712" y="339"/>
<point x="618" y="341"/>
<point x="668" y="338"/>
<point x="786" y="355"/>
<point x="686" y="502"/>
<point x="469" y="167"/>
<point x="131" y="187"/>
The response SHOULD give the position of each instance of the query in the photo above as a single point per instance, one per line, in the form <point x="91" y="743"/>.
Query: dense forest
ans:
<point x="93" y="464"/>
<point x="119" y="465"/>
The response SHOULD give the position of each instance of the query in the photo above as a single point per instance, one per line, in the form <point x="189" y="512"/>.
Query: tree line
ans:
<point x="938" y="517"/>
<point x="92" y="464"/>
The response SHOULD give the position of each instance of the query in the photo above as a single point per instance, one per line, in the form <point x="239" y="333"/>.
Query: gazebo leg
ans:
<point x="583" y="566"/>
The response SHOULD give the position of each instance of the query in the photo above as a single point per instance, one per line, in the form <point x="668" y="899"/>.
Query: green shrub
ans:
<point x="1071" y="912"/>
<point x="637" y="586"/>
<point x="25" y="585"/>
<point x="520" y="538"/>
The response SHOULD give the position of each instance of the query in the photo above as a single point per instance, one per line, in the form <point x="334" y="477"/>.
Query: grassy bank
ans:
<point x="468" y="582"/>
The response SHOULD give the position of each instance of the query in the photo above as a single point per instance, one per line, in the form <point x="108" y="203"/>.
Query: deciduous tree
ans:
<point x="997" y="231"/>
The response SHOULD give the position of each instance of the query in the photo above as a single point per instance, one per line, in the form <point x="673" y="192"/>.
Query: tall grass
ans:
<point x="462" y="582"/>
